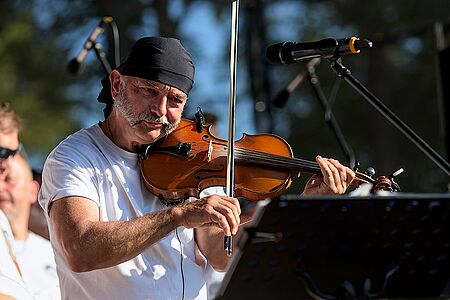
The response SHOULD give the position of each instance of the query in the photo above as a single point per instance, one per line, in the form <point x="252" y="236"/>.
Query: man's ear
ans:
<point x="114" y="79"/>
<point x="34" y="190"/>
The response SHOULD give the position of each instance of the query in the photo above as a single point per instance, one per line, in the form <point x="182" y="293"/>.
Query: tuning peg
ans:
<point x="395" y="186"/>
<point x="396" y="173"/>
<point x="370" y="172"/>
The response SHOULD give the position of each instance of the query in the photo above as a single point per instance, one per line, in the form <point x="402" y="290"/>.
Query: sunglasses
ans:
<point x="5" y="152"/>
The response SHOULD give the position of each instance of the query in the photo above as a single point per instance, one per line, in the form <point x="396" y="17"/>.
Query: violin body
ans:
<point x="193" y="161"/>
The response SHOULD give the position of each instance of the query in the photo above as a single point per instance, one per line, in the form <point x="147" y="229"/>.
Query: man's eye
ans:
<point x="147" y="91"/>
<point x="150" y="91"/>
<point x="177" y="100"/>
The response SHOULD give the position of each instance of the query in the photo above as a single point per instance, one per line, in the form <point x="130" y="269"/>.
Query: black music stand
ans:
<point x="344" y="247"/>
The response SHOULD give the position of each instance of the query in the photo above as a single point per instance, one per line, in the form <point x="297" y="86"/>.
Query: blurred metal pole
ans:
<point x="442" y="83"/>
<point x="257" y="66"/>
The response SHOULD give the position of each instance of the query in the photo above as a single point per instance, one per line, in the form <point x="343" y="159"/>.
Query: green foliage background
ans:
<point x="38" y="37"/>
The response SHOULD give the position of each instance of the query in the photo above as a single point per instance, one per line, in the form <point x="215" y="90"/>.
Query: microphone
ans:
<point x="74" y="65"/>
<point x="289" y="52"/>
<point x="283" y="96"/>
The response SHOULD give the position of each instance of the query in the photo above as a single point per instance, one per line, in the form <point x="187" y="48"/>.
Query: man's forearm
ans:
<point x="90" y="244"/>
<point x="97" y="244"/>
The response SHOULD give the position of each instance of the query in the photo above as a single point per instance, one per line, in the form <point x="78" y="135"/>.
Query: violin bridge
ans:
<point x="210" y="150"/>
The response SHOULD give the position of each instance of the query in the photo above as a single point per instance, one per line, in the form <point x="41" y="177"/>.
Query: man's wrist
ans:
<point x="177" y="214"/>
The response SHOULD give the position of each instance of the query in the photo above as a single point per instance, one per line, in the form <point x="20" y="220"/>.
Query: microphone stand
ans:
<point x="102" y="58"/>
<point x="345" y="73"/>
<point x="329" y="116"/>
<point x="101" y="55"/>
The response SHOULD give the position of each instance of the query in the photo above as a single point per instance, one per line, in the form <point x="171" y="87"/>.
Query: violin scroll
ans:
<point x="381" y="183"/>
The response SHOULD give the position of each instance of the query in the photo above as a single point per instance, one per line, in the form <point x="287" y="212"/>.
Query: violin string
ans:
<point x="274" y="158"/>
<point x="291" y="163"/>
<point x="279" y="161"/>
<point x="284" y="162"/>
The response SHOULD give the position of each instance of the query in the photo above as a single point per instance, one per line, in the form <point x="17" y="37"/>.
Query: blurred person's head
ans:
<point x="10" y="126"/>
<point x="18" y="191"/>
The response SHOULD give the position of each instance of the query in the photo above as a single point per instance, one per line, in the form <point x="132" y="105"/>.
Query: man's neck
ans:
<point x="120" y="133"/>
<point x="106" y="128"/>
<point x="20" y="230"/>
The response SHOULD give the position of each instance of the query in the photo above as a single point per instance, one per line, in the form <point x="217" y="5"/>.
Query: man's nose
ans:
<point x="159" y="106"/>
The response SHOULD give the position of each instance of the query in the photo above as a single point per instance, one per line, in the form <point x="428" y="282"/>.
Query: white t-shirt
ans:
<point x="11" y="282"/>
<point x="37" y="263"/>
<point x="89" y="165"/>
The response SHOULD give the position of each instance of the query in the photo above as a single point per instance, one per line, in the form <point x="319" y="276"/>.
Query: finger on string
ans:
<point x="328" y="177"/>
<point x="338" y="184"/>
<point x="341" y="175"/>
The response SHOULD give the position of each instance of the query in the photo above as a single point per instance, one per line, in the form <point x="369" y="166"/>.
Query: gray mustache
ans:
<point x="151" y="118"/>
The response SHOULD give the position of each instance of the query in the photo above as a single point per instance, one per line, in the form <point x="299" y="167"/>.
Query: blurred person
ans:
<point x="18" y="191"/>
<point x="11" y="282"/>
<point x="10" y="127"/>
<point x="12" y="285"/>
<point x="112" y="238"/>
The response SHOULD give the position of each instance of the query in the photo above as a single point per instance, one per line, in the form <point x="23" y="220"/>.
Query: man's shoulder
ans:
<point x="82" y="141"/>
<point x="84" y="136"/>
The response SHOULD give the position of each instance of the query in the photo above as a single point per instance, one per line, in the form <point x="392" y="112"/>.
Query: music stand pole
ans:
<point x="345" y="73"/>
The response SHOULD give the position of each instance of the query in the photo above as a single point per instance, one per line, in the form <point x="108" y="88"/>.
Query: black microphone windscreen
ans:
<point x="73" y="67"/>
<point x="275" y="53"/>
<point x="281" y="99"/>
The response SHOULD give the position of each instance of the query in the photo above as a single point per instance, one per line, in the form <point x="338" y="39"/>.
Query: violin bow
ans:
<point x="228" y="241"/>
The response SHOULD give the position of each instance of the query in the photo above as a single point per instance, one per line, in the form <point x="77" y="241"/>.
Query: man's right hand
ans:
<point x="213" y="210"/>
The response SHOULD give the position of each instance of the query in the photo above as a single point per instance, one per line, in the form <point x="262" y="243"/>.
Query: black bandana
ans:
<point x="155" y="58"/>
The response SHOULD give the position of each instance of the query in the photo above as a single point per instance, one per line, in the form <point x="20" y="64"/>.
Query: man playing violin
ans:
<point x="112" y="238"/>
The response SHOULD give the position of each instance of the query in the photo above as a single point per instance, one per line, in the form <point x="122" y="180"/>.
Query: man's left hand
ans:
<point x="335" y="178"/>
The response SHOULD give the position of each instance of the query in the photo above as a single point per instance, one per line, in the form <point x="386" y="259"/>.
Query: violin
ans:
<point x="193" y="159"/>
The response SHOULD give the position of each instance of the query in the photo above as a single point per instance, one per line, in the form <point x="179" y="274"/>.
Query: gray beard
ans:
<point x="133" y="119"/>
